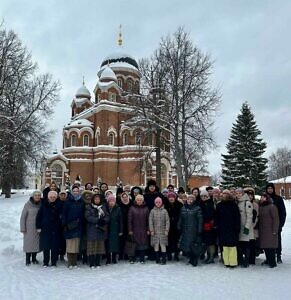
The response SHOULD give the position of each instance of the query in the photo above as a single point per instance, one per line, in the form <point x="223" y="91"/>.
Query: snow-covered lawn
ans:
<point x="125" y="281"/>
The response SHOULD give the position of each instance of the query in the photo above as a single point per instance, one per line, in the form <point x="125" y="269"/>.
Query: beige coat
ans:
<point x="27" y="225"/>
<point x="246" y="218"/>
<point x="159" y="224"/>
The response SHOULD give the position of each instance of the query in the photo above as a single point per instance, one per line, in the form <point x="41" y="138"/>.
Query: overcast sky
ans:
<point x="248" y="40"/>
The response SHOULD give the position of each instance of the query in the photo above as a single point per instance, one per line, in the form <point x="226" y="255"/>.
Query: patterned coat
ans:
<point x="28" y="225"/>
<point x="159" y="224"/>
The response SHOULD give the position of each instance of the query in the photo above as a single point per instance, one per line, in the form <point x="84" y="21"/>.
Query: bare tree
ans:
<point x="279" y="163"/>
<point x="26" y="101"/>
<point x="188" y="104"/>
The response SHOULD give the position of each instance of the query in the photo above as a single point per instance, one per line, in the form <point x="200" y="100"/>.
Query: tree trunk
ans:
<point x="158" y="158"/>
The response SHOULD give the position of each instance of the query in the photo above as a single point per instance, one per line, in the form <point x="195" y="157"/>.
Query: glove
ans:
<point x="246" y="231"/>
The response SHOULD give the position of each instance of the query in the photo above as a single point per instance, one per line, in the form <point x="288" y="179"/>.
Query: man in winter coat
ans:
<point x="279" y="203"/>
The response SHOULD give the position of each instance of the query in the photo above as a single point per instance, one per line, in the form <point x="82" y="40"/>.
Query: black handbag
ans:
<point x="73" y="225"/>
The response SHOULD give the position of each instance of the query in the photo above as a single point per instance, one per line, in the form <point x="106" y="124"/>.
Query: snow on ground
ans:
<point x="125" y="281"/>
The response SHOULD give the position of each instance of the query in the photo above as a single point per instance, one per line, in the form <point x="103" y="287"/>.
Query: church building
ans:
<point x="97" y="143"/>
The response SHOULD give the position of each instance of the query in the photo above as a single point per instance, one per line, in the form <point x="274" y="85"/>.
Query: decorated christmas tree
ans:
<point x="244" y="164"/>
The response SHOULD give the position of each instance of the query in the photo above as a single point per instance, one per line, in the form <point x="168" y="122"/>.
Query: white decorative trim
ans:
<point x="61" y="163"/>
<point x="79" y="131"/>
<point x="125" y="127"/>
<point x="113" y="130"/>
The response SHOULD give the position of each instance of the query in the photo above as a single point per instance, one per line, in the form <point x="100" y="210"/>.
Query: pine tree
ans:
<point x="244" y="164"/>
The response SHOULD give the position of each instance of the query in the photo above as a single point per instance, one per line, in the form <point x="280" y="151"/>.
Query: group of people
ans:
<point x="90" y="223"/>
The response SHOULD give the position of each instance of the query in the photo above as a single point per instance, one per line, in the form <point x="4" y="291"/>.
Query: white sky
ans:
<point x="249" y="42"/>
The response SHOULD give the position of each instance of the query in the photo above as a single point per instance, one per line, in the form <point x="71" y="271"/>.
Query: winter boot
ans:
<point x="108" y="259"/>
<point x="193" y="260"/>
<point x="279" y="259"/>
<point x="33" y="258"/>
<point x="163" y="261"/>
<point x="97" y="260"/>
<point x="27" y="259"/>
<point x="210" y="255"/>
<point x="91" y="261"/>
<point x="176" y="256"/>
<point x="170" y="257"/>
<point x="157" y="254"/>
<point x="114" y="261"/>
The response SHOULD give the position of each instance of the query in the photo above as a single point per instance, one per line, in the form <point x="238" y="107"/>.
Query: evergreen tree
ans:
<point x="243" y="165"/>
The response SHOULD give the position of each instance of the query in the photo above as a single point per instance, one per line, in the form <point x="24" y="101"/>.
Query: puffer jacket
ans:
<point x="159" y="224"/>
<point x="190" y="225"/>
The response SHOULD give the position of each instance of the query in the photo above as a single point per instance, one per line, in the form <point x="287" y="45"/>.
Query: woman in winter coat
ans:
<point x="62" y="198"/>
<point x="73" y="221"/>
<point x="209" y="232"/>
<point x="124" y="205"/>
<point x="28" y="228"/>
<point x="173" y="207"/>
<point x="190" y="226"/>
<point x="48" y="223"/>
<point x="269" y="229"/>
<point x="114" y="230"/>
<point x="159" y="225"/>
<point x="152" y="191"/>
<point x="254" y="243"/>
<point x="97" y="218"/>
<point x="134" y="192"/>
<point x="138" y="227"/>
<point x="228" y="226"/>
<point x="246" y="227"/>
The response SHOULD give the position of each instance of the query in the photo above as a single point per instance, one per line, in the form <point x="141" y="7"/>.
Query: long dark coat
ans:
<point x="190" y="226"/>
<point x="228" y="223"/>
<point x="174" y="214"/>
<point x="209" y="232"/>
<point x="48" y="219"/>
<point x="268" y="226"/>
<point x="138" y="223"/>
<point x="114" y="228"/>
<point x="73" y="210"/>
<point x="96" y="223"/>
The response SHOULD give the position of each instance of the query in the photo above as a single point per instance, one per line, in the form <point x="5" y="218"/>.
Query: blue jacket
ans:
<point x="48" y="219"/>
<point x="73" y="211"/>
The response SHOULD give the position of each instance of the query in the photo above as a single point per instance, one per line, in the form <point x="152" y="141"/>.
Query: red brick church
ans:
<point x="97" y="145"/>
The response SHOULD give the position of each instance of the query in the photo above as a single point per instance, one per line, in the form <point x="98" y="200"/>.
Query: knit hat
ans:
<point x="172" y="195"/>
<point x="239" y="190"/>
<point x="63" y="192"/>
<point x="204" y="193"/>
<point x="165" y="191"/>
<point x="36" y="192"/>
<point x="158" y="200"/>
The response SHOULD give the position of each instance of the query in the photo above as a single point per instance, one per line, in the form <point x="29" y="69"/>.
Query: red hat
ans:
<point x="171" y="195"/>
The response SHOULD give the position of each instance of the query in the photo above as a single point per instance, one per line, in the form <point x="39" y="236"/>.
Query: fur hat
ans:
<point x="226" y="191"/>
<point x="165" y="191"/>
<point x="152" y="182"/>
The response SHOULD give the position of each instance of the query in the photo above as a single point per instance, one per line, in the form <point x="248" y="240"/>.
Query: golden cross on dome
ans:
<point x="120" y="36"/>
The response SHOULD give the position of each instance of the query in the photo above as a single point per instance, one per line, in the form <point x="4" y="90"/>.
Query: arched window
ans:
<point x="86" y="140"/>
<point x="57" y="174"/>
<point x="149" y="171"/>
<point x="111" y="139"/>
<point x="119" y="82"/>
<point x="164" y="175"/>
<point x="73" y="140"/>
<point x="112" y="97"/>
<point x="138" y="138"/>
<point x="125" y="139"/>
<point x="129" y="85"/>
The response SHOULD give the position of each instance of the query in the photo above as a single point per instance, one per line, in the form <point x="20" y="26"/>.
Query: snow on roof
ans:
<point x="106" y="85"/>
<point x="121" y="64"/>
<point x="83" y="92"/>
<point x="117" y="55"/>
<point x="282" y="180"/>
<point x="79" y="123"/>
<point x="107" y="73"/>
